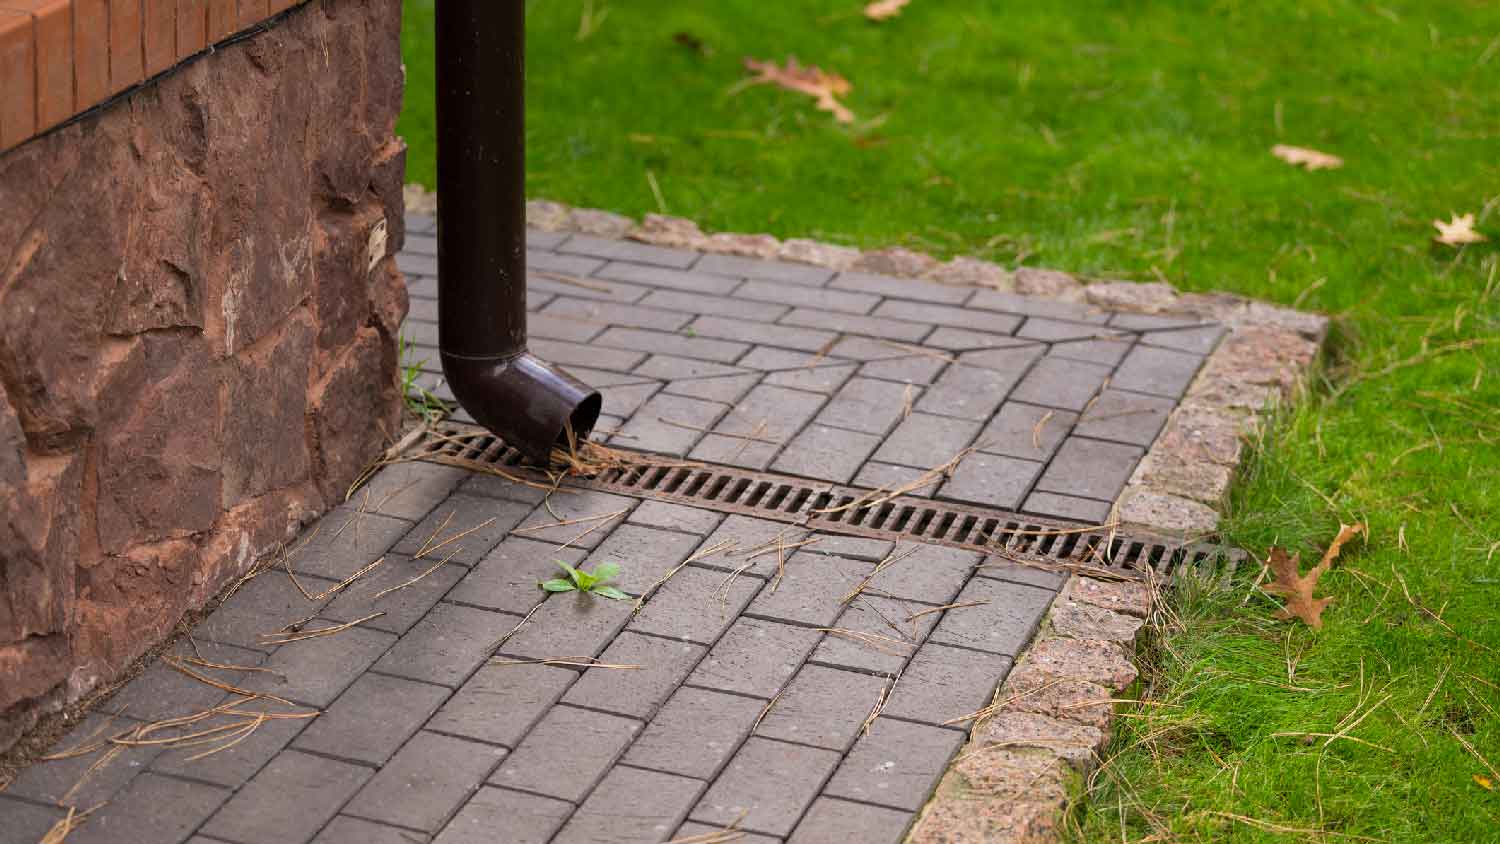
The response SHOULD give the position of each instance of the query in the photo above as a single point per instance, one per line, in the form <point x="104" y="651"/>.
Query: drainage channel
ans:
<point x="834" y="508"/>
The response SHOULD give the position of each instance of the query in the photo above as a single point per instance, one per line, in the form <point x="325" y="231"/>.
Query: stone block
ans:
<point x="526" y="818"/>
<point x="823" y="707"/>
<point x="755" y="658"/>
<point x="372" y="718"/>
<point x="567" y="753"/>
<point x="1094" y="660"/>
<point x="974" y="319"/>
<point x="1002" y="626"/>
<point x="289" y="800"/>
<point x="767" y="785"/>
<point x="895" y="260"/>
<point x="1077" y="744"/>
<point x="152" y="808"/>
<point x="1129" y="597"/>
<point x="1061" y="383"/>
<point x="631" y="806"/>
<point x="695" y="733"/>
<point x="896" y="764"/>
<point x="992" y="480"/>
<point x="1124" y="417"/>
<point x="942" y="683"/>
<point x="663" y="665"/>
<point x="1090" y="468"/>
<point x="447" y="645"/>
<point x="1032" y="688"/>
<point x="1158" y="372"/>
<point x="691" y="606"/>
<point x="426" y="782"/>
<point x="1163" y="512"/>
<point x="833" y="821"/>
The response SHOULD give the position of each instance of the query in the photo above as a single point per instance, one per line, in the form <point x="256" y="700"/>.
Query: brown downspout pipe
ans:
<point x="482" y="235"/>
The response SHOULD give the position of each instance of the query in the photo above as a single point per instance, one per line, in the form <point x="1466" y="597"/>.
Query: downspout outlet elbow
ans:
<point x="530" y="404"/>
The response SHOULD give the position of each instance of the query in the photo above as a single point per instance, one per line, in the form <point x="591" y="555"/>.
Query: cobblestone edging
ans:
<point x="1187" y="472"/>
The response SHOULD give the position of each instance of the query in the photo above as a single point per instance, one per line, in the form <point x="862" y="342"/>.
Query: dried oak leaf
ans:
<point x="1309" y="158"/>
<point x="815" y="82"/>
<point x="1458" y="231"/>
<point x="1296" y="587"/>
<point x="883" y="9"/>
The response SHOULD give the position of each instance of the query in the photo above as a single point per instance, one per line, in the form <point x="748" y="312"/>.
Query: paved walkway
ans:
<point x="800" y="686"/>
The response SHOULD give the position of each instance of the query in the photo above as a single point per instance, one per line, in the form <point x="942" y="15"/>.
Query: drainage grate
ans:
<point x="835" y="508"/>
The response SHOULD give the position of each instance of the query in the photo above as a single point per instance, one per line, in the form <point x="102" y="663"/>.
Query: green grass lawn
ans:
<point x="1131" y="140"/>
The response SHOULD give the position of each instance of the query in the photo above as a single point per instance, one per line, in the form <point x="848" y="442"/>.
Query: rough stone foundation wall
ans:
<point x="198" y="315"/>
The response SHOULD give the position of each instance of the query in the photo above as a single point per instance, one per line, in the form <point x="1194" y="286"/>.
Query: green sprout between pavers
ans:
<point x="592" y="583"/>
<point x="1135" y="143"/>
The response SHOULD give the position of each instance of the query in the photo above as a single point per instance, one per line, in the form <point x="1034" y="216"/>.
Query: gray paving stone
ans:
<point x="1109" y="351"/>
<point x="932" y="574"/>
<point x="631" y="806"/>
<point x="625" y="399"/>
<point x="571" y="265"/>
<point x="153" y="809"/>
<point x="751" y="542"/>
<point x="691" y="282"/>
<point x="570" y="354"/>
<point x="755" y="658"/>
<point x="771" y="359"/>
<point x="833" y="821"/>
<point x="882" y="617"/>
<point x="683" y="345"/>
<point x="241" y="756"/>
<point x="567" y="753"/>
<point x="868" y="405"/>
<point x="613" y="291"/>
<point x="549" y="327"/>
<point x="402" y="607"/>
<point x="810" y="590"/>
<point x="262" y="605"/>
<point x="695" y="733"/>
<point x="978" y="320"/>
<point x="162" y="692"/>
<point x="542" y="526"/>
<point x="638" y="693"/>
<point x="807" y="297"/>
<point x="870" y="326"/>
<point x="1125" y="417"/>
<point x="1061" y="383"/>
<point x="693" y="828"/>
<point x="415" y="264"/>
<point x="852" y="547"/>
<point x="822" y="707"/>
<point x="1002" y="626"/>
<point x="1026" y="431"/>
<point x="26" y="823"/>
<point x="407" y="490"/>
<point x="643" y="554"/>
<point x="770" y="783"/>
<point x="346" y="830"/>
<point x="1056" y="330"/>
<point x="315" y="671"/>
<point x="993" y="480"/>
<point x="646" y="430"/>
<point x="420" y="223"/>
<point x="539" y="239"/>
<point x="289" y="800"/>
<point x="760" y="268"/>
<point x="1160" y="372"/>
<point x="1152" y="322"/>
<point x="526" y="818"/>
<point x="662" y="514"/>
<point x="889" y="476"/>
<point x="344" y="541"/>
<point x="692" y="606"/>
<point x="767" y="413"/>
<point x="825" y="453"/>
<point x="962" y="339"/>
<point x="420" y="287"/>
<point x="604" y="314"/>
<point x="902" y="288"/>
<point x="804" y="339"/>
<point x="422" y="310"/>
<point x="924" y="441"/>
<point x="462" y="529"/>
<point x="447" y="645"/>
<point x="74" y="781"/>
<point x="995" y="300"/>
<point x="942" y="683"/>
<point x="501" y="702"/>
<point x="506" y="579"/>
<point x="1090" y="468"/>
<point x="915" y="369"/>
<point x="973" y="392"/>
<point x="725" y="389"/>
<point x="1068" y="507"/>
<point x="1000" y="568"/>
<point x="693" y="303"/>
<point x="1199" y="341"/>
<point x="896" y="764"/>
<point x="568" y="624"/>
<point x="372" y="718"/>
<point x="628" y="250"/>
<point x="600" y="378"/>
<point x="426" y="782"/>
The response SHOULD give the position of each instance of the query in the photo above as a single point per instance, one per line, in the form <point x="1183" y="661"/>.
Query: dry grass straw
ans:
<point x="661" y="581"/>
<point x="273" y="639"/>
<point x="337" y="587"/>
<point x="574" y="661"/>
<point x="766" y="710"/>
<point x="179" y="665"/>
<point x="890" y="560"/>
<point x="575" y="282"/>
<point x="884" y="644"/>
<point x="954" y="606"/>
<point x="885" y="695"/>
<point x="718" y="836"/>
<point x="65" y="826"/>
<point x="999" y="705"/>
<point x="415" y="580"/>
<point x="877" y="497"/>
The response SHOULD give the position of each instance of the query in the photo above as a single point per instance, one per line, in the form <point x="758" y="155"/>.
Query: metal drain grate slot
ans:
<point x="860" y="512"/>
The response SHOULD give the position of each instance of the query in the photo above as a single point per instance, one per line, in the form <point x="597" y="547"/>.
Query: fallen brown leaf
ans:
<point x="822" y="86"/>
<point x="1458" y="231"/>
<point x="1298" y="588"/>
<point x="883" y="9"/>
<point x="1309" y="158"/>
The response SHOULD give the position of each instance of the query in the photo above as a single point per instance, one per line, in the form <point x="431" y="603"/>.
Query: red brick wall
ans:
<point x="62" y="57"/>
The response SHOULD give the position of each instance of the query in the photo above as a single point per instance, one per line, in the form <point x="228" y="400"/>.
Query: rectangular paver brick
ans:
<point x="868" y="405"/>
<point x="403" y="607"/>
<point x="663" y="514"/>
<point x="785" y="272"/>
<point x="1090" y="468"/>
<point x="571" y="265"/>
<point x="696" y="605"/>
<point x="289" y="800"/>
<point x="150" y="810"/>
<point x="695" y="733"/>
<point x="1199" y="341"/>
<point x="925" y="441"/>
<point x="1160" y="372"/>
<point x="815" y="379"/>
<point x="1125" y="417"/>
<point x="506" y="579"/>
<point x="1058" y="330"/>
<point x="372" y="718"/>
<point x="569" y="624"/>
<point x="539" y="287"/>
<point x="852" y="547"/>
<point x="823" y="707"/>
<point x="567" y="354"/>
<point x="1068" y="507"/>
<point x="462" y="529"/>
<point x="29" y="822"/>
<point x="755" y="658"/>
<point x="1061" y="383"/>
<point x="767" y="413"/>
<point x="726" y="389"/>
<point x="1002" y="626"/>
<point x="1000" y="568"/>
<point x="973" y="392"/>
<point x="672" y="368"/>
<point x="833" y="821"/>
<point x="346" y="830"/>
<point x="426" y="782"/>
<point x="693" y="303"/>
<point x="626" y="250"/>
<point x="809" y="591"/>
<point x="748" y="535"/>
<point x="646" y="430"/>
<point x="162" y="692"/>
<point x="238" y="761"/>
<point x="407" y="490"/>
<point x="263" y="604"/>
<point x="896" y="764"/>
<point x="643" y="554"/>
<point x="802" y="339"/>
<point x="542" y="526"/>
<point x="889" y="476"/>
<point x="500" y="703"/>
<point x="692" y="282"/>
<point x="631" y="806"/>
<point x="1108" y="351"/>
<point x="344" y="541"/>
<point x="871" y="326"/>
<point x="826" y="453"/>
<point x="942" y="683"/>
<point x="977" y="320"/>
<point x="1027" y="431"/>
<point x="932" y="574"/>
<point x="769" y="783"/>
<point x="879" y="617"/>
<point x="684" y="345"/>
<point x="807" y="297"/>
<point x="993" y="480"/>
<point x="315" y="671"/>
<point x="704" y="832"/>
<point x="567" y="753"/>
<point x="550" y="327"/>
<point x="52" y="780"/>
<point x="914" y="369"/>
<point x="995" y="300"/>
<point x="902" y="288"/>
<point x="447" y="645"/>
<point x="526" y="818"/>
<point x="604" y="314"/>
<point x="638" y="693"/>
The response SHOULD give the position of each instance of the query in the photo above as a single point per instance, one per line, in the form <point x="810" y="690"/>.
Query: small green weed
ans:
<point x="419" y="400"/>
<point x="593" y="582"/>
